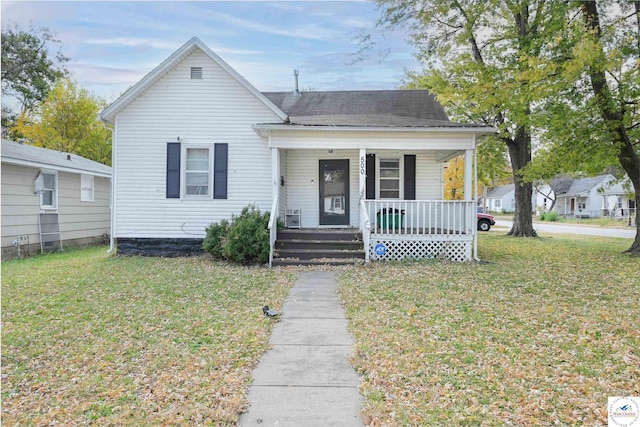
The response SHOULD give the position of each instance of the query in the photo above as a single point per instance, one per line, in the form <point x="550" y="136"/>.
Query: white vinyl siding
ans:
<point x="216" y="109"/>
<point x="86" y="188"/>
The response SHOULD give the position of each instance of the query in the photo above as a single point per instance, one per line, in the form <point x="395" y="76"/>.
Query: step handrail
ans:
<point x="365" y="228"/>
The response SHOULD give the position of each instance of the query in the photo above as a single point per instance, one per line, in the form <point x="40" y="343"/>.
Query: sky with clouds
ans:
<point x="113" y="44"/>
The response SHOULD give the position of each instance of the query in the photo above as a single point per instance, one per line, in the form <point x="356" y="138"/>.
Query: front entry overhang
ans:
<point x="372" y="138"/>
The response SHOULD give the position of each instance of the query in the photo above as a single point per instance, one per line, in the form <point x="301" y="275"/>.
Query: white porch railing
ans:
<point x="421" y="217"/>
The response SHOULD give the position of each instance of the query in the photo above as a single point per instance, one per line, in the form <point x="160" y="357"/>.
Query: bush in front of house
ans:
<point x="551" y="216"/>
<point x="244" y="240"/>
<point x="214" y="240"/>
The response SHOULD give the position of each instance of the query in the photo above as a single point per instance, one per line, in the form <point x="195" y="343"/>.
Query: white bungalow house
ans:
<point x="51" y="200"/>
<point x="502" y="199"/>
<point x="194" y="143"/>
<point x="583" y="197"/>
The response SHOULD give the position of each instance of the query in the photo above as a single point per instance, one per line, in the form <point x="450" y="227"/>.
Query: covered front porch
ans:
<point x="387" y="183"/>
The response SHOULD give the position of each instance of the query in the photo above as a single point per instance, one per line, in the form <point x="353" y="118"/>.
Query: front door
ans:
<point x="334" y="192"/>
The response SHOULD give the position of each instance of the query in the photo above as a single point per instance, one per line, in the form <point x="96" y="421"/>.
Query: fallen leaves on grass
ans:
<point x="541" y="336"/>
<point x="90" y="339"/>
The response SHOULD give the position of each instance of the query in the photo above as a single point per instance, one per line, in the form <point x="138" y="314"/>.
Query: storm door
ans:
<point x="334" y="192"/>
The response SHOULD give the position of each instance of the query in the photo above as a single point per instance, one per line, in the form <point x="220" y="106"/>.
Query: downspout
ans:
<point x="112" y="245"/>
<point x="475" y="176"/>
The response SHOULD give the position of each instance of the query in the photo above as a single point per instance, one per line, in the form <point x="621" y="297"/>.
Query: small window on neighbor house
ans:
<point x="49" y="194"/>
<point x="619" y="202"/>
<point x="196" y="73"/>
<point x="86" y="188"/>
<point x="632" y="204"/>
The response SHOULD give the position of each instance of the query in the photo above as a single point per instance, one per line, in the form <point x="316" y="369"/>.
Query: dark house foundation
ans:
<point x="159" y="247"/>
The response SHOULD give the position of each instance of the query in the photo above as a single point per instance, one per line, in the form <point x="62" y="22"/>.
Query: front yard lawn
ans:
<point x="540" y="336"/>
<point x="91" y="339"/>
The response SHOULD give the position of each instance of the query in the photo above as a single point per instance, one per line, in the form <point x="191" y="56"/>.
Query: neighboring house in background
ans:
<point x="61" y="197"/>
<point x="502" y="199"/>
<point x="583" y="197"/>
<point x="618" y="202"/>
<point x="194" y="143"/>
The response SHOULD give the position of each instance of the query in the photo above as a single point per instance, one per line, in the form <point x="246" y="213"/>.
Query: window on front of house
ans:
<point x="197" y="172"/>
<point x="389" y="178"/>
<point x="49" y="194"/>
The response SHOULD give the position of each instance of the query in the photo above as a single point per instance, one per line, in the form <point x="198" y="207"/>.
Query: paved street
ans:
<point x="541" y="227"/>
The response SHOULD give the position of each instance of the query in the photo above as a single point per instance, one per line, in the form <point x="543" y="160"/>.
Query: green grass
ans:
<point x="541" y="335"/>
<point x="92" y="339"/>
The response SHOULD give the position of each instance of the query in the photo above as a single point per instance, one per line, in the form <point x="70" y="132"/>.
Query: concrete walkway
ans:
<point x="306" y="379"/>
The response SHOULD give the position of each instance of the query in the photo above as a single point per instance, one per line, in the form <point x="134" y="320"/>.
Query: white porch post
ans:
<point x="468" y="174"/>
<point x="362" y="169"/>
<point x="275" y="172"/>
<point x="275" y="194"/>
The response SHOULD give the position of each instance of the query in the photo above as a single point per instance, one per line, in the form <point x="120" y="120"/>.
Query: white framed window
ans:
<point x="86" y="188"/>
<point x="390" y="178"/>
<point x="49" y="190"/>
<point x="498" y="204"/>
<point x="197" y="171"/>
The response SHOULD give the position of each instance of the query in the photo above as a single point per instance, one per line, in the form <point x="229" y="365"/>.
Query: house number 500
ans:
<point x="362" y="166"/>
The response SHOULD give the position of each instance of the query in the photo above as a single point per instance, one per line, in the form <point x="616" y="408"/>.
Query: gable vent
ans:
<point x="196" y="73"/>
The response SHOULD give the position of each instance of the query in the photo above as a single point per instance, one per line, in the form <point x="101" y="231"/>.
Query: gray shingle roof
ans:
<point x="500" y="192"/>
<point x="583" y="185"/>
<point x="43" y="157"/>
<point x="377" y="108"/>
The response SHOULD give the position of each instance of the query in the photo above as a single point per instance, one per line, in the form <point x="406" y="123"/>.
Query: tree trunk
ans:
<point x="613" y="118"/>
<point x="520" y="154"/>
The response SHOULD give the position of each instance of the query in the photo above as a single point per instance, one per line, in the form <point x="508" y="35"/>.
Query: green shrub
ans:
<point x="214" y="240"/>
<point x="552" y="216"/>
<point x="248" y="237"/>
<point x="243" y="240"/>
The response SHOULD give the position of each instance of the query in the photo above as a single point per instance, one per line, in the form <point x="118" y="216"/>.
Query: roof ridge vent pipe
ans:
<point x="296" y="90"/>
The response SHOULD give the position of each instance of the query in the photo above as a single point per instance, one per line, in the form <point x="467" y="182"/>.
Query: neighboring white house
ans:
<point x="194" y="143"/>
<point x="502" y="199"/>
<point x="618" y="201"/>
<point x="51" y="199"/>
<point x="583" y="197"/>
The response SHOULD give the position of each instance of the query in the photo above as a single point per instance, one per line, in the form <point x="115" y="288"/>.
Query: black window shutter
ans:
<point x="410" y="177"/>
<point x="220" y="155"/>
<point x="371" y="176"/>
<point x="173" y="170"/>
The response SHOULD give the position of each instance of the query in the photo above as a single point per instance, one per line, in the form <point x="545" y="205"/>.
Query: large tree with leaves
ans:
<point x="590" y="118"/>
<point x="481" y="58"/>
<point x="68" y="121"/>
<point x="30" y="67"/>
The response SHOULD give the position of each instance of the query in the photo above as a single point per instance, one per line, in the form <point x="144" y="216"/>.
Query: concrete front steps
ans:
<point x="318" y="247"/>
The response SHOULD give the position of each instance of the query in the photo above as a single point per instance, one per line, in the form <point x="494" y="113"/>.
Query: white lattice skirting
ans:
<point x="454" y="248"/>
